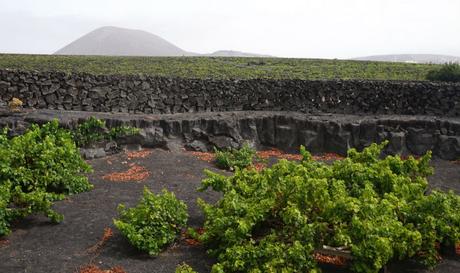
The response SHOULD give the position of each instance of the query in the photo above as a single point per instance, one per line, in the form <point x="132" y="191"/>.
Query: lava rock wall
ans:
<point x="284" y="130"/>
<point x="145" y="94"/>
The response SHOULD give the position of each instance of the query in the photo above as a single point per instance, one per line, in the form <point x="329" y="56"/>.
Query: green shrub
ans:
<point x="378" y="209"/>
<point x="37" y="168"/>
<point x="122" y="131"/>
<point x="94" y="130"/>
<point x="154" y="222"/>
<point x="449" y="72"/>
<point x="184" y="268"/>
<point x="235" y="158"/>
<point x="5" y="211"/>
<point x="89" y="132"/>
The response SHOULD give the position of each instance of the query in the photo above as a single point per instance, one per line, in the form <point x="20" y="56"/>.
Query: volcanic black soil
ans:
<point x="36" y="245"/>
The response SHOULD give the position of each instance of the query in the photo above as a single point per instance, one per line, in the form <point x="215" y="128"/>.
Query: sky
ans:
<point x="288" y="28"/>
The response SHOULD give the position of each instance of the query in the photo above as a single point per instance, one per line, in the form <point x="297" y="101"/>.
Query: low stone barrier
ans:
<point x="146" y="94"/>
<point x="284" y="130"/>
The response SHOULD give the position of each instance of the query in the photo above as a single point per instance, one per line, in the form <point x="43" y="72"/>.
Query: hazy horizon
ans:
<point x="302" y="29"/>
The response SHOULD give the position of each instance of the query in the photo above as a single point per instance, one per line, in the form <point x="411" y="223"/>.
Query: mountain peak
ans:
<point x="116" y="41"/>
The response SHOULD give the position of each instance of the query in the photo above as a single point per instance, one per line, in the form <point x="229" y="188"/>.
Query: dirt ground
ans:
<point x="36" y="245"/>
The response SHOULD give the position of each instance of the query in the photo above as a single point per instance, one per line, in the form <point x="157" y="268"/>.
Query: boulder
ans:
<point x="419" y="141"/>
<point x="92" y="153"/>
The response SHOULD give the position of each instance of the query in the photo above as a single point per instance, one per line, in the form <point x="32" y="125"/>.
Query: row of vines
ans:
<point x="274" y="220"/>
<point x="375" y="210"/>
<point x="44" y="165"/>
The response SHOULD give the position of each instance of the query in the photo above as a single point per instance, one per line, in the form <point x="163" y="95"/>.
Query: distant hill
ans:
<point x="231" y="53"/>
<point x="411" y="58"/>
<point x="115" y="41"/>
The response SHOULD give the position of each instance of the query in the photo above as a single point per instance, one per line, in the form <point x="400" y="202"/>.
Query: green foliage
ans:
<point x="154" y="222"/>
<point x="449" y="72"/>
<point x="94" y="130"/>
<point x="184" y="268"/>
<point x="37" y="168"/>
<point x="379" y="209"/>
<point x="90" y="131"/>
<point x="5" y="211"/>
<point x="122" y="131"/>
<point x="235" y="158"/>
<point x="220" y="67"/>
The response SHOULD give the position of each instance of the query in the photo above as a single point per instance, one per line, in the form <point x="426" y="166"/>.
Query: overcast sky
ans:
<point x="287" y="28"/>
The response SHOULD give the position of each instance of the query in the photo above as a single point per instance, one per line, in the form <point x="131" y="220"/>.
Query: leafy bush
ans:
<point x="184" y="268"/>
<point x="37" y="168"/>
<point x="449" y="72"/>
<point x="378" y="209"/>
<point x="122" y="131"/>
<point x="90" y="131"/>
<point x="5" y="211"/>
<point x="94" y="130"/>
<point x="154" y="222"/>
<point x="235" y="158"/>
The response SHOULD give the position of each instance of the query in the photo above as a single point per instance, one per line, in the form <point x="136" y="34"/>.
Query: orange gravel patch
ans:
<point x="290" y="156"/>
<point x="205" y="156"/>
<point x="95" y="250"/>
<point x="277" y="153"/>
<point x="328" y="156"/>
<point x="94" y="269"/>
<point x="282" y="155"/>
<point x="189" y="240"/>
<point x="138" y="154"/>
<point x="192" y="242"/>
<point x="108" y="233"/>
<point x="134" y="173"/>
<point x="272" y="153"/>
<point x="328" y="259"/>
<point x="258" y="166"/>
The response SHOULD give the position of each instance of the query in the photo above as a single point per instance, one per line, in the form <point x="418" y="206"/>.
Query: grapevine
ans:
<point x="376" y="209"/>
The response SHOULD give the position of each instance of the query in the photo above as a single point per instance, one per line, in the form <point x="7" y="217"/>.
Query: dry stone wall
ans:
<point x="284" y="130"/>
<point x="145" y="94"/>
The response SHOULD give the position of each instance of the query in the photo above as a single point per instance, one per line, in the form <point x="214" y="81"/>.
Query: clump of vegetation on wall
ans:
<point x="449" y="72"/>
<point x="154" y="223"/>
<point x="374" y="209"/>
<point x="41" y="166"/>
<point x="94" y="130"/>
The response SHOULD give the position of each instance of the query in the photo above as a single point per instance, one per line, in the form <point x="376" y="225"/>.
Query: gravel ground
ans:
<point x="36" y="245"/>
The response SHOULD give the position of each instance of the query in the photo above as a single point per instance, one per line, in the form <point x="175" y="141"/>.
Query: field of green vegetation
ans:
<point x="220" y="67"/>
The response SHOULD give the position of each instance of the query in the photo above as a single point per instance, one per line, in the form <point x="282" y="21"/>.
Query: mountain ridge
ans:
<point x="116" y="41"/>
<point x="411" y="58"/>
